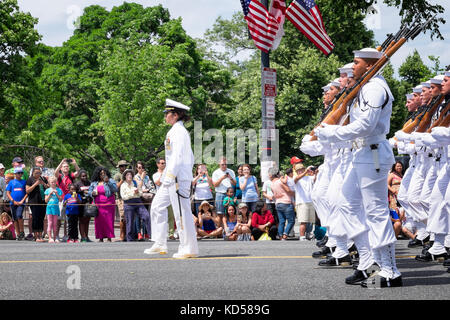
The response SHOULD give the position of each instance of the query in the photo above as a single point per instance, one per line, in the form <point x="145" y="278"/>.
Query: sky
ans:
<point x="56" y="19"/>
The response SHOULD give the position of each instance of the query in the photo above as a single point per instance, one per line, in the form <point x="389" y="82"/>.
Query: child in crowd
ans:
<point x="7" y="231"/>
<point x="207" y="221"/>
<point x="72" y="200"/>
<point x="53" y="196"/>
<point x="230" y="199"/>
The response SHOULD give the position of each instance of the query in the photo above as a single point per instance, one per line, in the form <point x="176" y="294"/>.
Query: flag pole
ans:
<point x="265" y="63"/>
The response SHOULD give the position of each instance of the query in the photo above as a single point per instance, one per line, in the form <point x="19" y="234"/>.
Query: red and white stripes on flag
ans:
<point x="278" y="10"/>
<point x="306" y="17"/>
<point x="262" y="26"/>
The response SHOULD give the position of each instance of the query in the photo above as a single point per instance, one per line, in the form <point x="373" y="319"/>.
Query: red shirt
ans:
<point x="65" y="181"/>
<point x="258" y="219"/>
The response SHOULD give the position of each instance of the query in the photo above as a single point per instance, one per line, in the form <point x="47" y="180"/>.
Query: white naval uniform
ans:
<point x="369" y="124"/>
<point x="179" y="164"/>
<point x="439" y="220"/>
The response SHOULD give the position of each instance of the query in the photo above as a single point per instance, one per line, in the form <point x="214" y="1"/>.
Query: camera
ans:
<point x="313" y="168"/>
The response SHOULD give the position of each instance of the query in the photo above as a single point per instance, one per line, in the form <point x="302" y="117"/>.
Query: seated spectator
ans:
<point x="267" y="194"/>
<point x="244" y="225"/>
<point x="202" y="186"/>
<point x="16" y="192"/>
<point x="53" y="196"/>
<point x="230" y="199"/>
<point x="207" y="222"/>
<point x="230" y="223"/>
<point x="394" y="180"/>
<point x="131" y="192"/>
<point x="249" y="186"/>
<point x="283" y="202"/>
<point x="72" y="200"/>
<point x="7" y="231"/>
<point x="263" y="221"/>
<point x="396" y="222"/>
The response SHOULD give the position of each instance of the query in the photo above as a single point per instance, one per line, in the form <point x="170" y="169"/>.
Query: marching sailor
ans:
<point x="175" y="188"/>
<point x="365" y="180"/>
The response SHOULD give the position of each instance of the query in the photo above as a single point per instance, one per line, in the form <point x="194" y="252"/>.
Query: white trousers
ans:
<point x="185" y="226"/>
<point x="363" y="185"/>
<point x="428" y="185"/>
<point x="415" y="189"/>
<point x="438" y="221"/>
<point x="402" y="196"/>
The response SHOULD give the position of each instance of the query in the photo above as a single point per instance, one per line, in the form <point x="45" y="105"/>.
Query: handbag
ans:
<point x="91" y="210"/>
<point x="264" y="236"/>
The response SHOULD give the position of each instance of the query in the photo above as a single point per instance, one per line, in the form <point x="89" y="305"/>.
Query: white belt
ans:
<point x="359" y="143"/>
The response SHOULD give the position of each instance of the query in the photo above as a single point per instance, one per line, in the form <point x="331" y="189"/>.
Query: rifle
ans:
<point x="444" y="118"/>
<point x="432" y="107"/>
<point x="403" y="35"/>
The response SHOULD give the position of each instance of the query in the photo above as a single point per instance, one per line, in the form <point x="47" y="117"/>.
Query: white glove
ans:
<point x="393" y="142"/>
<point x="417" y="135"/>
<point x="327" y="132"/>
<point x="428" y="140"/>
<point x="306" y="138"/>
<point x="402" y="136"/>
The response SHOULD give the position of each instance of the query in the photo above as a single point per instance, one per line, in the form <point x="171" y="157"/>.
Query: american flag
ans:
<point x="306" y="17"/>
<point x="262" y="26"/>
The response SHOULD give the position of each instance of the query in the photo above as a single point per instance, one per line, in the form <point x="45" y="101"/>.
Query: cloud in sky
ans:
<point x="56" y="17"/>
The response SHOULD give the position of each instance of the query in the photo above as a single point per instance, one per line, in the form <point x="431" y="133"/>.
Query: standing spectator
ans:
<point x="230" y="199"/>
<point x="39" y="162"/>
<point x="249" y="186"/>
<point x="303" y="203"/>
<point x="17" y="162"/>
<point x="82" y="186"/>
<point x="35" y="188"/>
<point x="16" y="192"/>
<point x="262" y="221"/>
<point x="161" y="164"/>
<point x="6" y="204"/>
<point x="230" y="222"/>
<point x="294" y="160"/>
<point x="65" y="178"/>
<point x="202" y="185"/>
<point x="236" y="187"/>
<point x="53" y="196"/>
<point x="131" y="192"/>
<point x="122" y="165"/>
<point x="103" y="188"/>
<point x="283" y="202"/>
<point x="7" y="231"/>
<point x="244" y="225"/>
<point x="2" y="187"/>
<point x="223" y="178"/>
<point x="267" y="194"/>
<point x="394" y="180"/>
<point x="148" y="191"/>
<point x="72" y="200"/>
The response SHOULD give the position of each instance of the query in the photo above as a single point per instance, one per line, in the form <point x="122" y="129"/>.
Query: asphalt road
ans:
<point x="261" y="270"/>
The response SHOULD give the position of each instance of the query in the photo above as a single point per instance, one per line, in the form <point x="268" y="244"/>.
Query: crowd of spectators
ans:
<point x="224" y="204"/>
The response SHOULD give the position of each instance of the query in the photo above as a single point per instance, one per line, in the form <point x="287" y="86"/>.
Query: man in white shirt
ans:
<point x="223" y="178"/>
<point x="303" y="183"/>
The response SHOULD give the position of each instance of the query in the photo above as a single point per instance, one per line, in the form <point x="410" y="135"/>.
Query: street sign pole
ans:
<point x="265" y="63"/>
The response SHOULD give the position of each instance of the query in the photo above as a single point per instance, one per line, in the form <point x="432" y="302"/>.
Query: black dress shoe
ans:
<point x="357" y="277"/>
<point x="414" y="243"/>
<point x="447" y="262"/>
<point x="427" y="257"/>
<point x="322" y="242"/>
<point x="377" y="282"/>
<point x="336" y="262"/>
<point x="322" y="253"/>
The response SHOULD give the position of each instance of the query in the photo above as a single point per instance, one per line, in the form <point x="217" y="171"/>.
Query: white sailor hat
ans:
<point x="417" y="89"/>
<point x="409" y="96"/>
<point x="426" y="84"/>
<point x="335" y="83"/>
<point x="172" y="105"/>
<point x="367" y="53"/>
<point x="447" y="73"/>
<point x="438" y="79"/>
<point x="346" y="68"/>
<point x="326" y="88"/>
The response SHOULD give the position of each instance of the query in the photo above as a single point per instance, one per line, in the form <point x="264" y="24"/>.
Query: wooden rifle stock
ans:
<point x="443" y="120"/>
<point x="426" y="119"/>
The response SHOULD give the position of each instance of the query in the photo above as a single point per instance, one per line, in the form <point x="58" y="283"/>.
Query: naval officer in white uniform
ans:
<point x="365" y="181"/>
<point x="175" y="188"/>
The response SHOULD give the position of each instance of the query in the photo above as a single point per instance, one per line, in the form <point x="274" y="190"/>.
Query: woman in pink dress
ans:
<point x="103" y="190"/>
